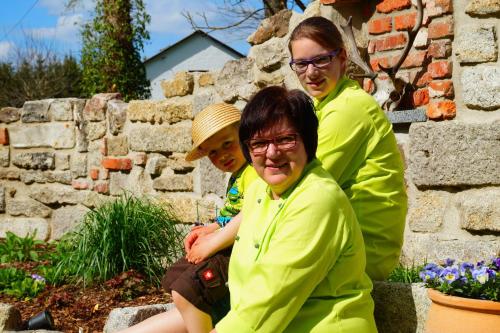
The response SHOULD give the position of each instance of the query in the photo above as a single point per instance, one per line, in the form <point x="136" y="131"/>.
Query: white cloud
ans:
<point x="5" y="49"/>
<point x="58" y="7"/>
<point x="66" y="30"/>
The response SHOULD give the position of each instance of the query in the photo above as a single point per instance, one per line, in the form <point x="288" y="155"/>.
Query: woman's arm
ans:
<point x="207" y="245"/>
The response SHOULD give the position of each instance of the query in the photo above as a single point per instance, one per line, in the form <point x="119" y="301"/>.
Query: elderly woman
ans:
<point x="298" y="262"/>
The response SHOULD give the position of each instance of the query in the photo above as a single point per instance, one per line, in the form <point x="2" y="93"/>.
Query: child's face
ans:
<point x="223" y="149"/>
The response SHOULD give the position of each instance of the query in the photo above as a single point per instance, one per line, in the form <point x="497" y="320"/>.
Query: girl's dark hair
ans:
<point x="320" y="30"/>
<point x="271" y="106"/>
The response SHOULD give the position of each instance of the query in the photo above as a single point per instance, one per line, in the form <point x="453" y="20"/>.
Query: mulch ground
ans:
<point x="73" y="307"/>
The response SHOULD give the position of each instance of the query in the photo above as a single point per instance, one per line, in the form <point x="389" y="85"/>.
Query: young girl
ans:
<point x="197" y="282"/>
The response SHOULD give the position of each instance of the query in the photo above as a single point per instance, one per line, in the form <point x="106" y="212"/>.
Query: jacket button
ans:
<point x="256" y="245"/>
<point x="237" y="238"/>
<point x="259" y="200"/>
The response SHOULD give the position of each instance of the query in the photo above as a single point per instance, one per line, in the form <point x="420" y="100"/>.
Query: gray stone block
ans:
<point x="235" y="80"/>
<point x="481" y="87"/>
<point x="212" y="180"/>
<point x="36" y="111"/>
<point x="454" y="154"/>
<point x="22" y="226"/>
<point x="406" y="116"/>
<point x="419" y="248"/>
<point x="56" y="176"/>
<point x="174" y="183"/>
<point x="426" y="211"/>
<point x="95" y="109"/>
<point x="95" y="130"/>
<point x="400" y="307"/>
<point x="137" y="182"/>
<point x="9" y="174"/>
<point x="4" y="156"/>
<point x="170" y="111"/>
<point x="270" y="55"/>
<point x="483" y="7"/>
<point x="479" y="209"/>
<point x="62" y="161"/>
<point x="161" y="138"/>
<point x="476" y="43"/>
<point x="2" y="199"/>
<point x="36" y="160"/>
<point x="61" y="110"/>
<point x="9" y="114"/>
<point x="27" y="207"/>
<point x="116" y="146"/>
<point x="177" y="162"/>
<point x="66" y="219"/>
<point x="121" y="318"/>
<point x="10" y="318"/>
<point x="155" y="164"/>
<point x="204" y="98"/>
<point x="190" y="208"/>
<point x="55" y="135"/>
<point x="117" y="115"/>
<point x="56" y="194"/>
<point x="78" y="165"/>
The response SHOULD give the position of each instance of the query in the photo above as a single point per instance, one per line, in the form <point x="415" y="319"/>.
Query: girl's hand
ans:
<point x="196" y="232"/>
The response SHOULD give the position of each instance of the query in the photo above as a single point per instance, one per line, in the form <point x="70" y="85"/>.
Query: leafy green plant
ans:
<point x="406" y="274"/>
<point x="18" y="283"/>
<point x="129" y="233"/>
<point x="16" y="248"/>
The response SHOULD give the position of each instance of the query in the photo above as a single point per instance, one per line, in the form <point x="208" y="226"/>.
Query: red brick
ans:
<point x="368" y="85"/>
<point x="94" y="174"/>
<point x="420" y="97"/>
<point x="445" y="5"/>
<point x="117" y="163"/>
<point x="438" y="110"/>
<point x="440" y="69"/>
<point x="441" y="29"/>
<point x="391" y="42"/>
<point x="405" y="21"/>
<point x="102" y="187"/>
<point x="376" y="62"/>
<point x="442" y="88"/>
<point x="388" y="6"/>
<point x="380" y="25"/>
<point x="4" y="136"/>
<point x="439" y="49"/>
<point x="414" y="59"/>
<point x="423" y="79"/>
<point x="80" y="184"/>
<point x="436" y="8"/>
<point x="371" y="46"/>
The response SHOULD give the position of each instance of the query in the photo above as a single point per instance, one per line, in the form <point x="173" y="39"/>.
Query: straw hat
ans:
<point x="208" y="122"/>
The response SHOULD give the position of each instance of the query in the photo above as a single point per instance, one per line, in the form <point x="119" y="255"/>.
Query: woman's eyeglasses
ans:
<point x="258" y="146"/>
<point x="321" y="61"/>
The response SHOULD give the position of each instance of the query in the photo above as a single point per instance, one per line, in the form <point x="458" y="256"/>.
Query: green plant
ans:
<point x="16" y="248"/>
<point x="405" y="274"/>
<point x="18" y="283"/>
<point x="129" y="233"/>
<point x="481" y="281"/>
<point x="112" y="42"/>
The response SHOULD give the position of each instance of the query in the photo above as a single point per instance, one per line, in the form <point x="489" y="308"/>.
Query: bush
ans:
<point x="129" y="233"/>
<point x="16" y="248"/>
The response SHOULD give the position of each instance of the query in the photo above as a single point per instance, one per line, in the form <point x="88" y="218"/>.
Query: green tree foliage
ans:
<point x="112" y="42"/>
<point x="38" y="76"/>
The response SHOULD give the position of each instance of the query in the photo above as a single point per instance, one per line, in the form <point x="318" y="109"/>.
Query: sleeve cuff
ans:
<point x="233" y="323"/>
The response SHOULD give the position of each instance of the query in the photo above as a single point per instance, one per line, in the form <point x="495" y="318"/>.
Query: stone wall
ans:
<point x="59" y="158"/>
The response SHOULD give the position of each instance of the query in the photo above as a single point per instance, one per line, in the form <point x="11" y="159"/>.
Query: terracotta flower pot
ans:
<point x="451" y="314"/>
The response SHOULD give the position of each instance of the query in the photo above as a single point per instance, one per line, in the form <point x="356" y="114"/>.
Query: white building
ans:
<point x="197" y="52"/>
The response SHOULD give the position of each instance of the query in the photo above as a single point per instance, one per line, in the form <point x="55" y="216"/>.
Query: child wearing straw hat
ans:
<point x="197" y="282"/>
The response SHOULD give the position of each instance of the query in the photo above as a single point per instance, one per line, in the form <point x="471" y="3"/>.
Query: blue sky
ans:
<point x="52" y="24"/>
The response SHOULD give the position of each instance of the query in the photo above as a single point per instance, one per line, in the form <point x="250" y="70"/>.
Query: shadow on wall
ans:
<point x="400" y="307"/>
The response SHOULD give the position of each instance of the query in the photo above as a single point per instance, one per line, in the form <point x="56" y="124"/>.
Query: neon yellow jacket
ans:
<point x="298" y="262"/>
<point x="357" y="146"/>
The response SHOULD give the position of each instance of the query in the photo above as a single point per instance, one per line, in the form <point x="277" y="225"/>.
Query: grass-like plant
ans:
<point x="406" y="274"/>
<point x="129" y="233"/>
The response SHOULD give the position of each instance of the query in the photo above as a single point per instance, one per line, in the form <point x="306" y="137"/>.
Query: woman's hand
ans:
<point x="202" y="248"/>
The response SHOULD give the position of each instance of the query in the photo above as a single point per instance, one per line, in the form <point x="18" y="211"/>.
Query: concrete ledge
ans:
<point x="121" y="318"/>
<point x="406" y="116"/>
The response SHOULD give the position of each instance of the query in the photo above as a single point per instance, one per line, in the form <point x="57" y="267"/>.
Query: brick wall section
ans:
<point x="428" y="65"/>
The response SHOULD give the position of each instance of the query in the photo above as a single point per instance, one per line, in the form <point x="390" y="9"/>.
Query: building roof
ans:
<point x="185" y="39"/>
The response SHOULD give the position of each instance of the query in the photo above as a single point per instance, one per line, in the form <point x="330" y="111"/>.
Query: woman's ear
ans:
<point x="342" y="56"/>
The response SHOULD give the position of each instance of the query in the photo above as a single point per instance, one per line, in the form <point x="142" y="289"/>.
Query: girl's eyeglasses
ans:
<point x="321" y="61"/>
<point x="258" y="146"/>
